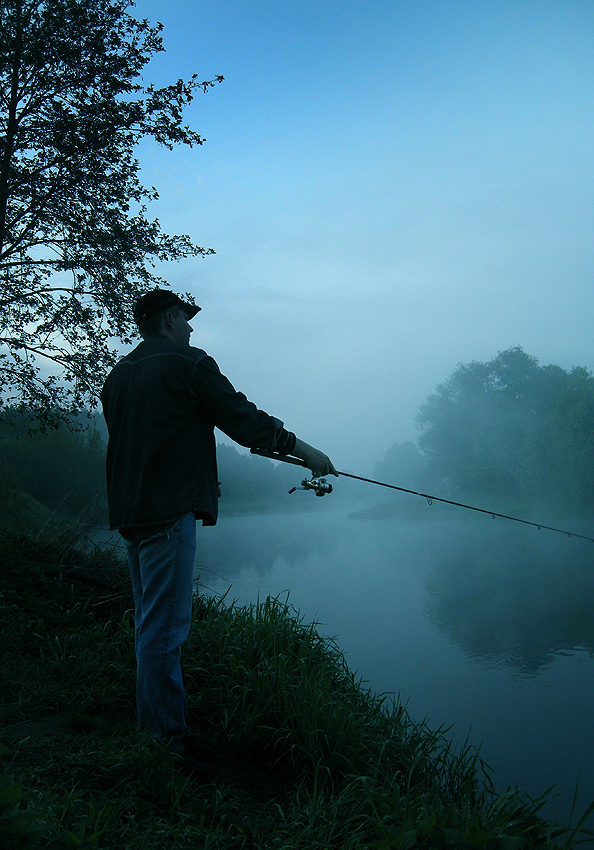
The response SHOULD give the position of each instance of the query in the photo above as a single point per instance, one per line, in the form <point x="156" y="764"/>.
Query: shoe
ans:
<point x="199" y="750"/>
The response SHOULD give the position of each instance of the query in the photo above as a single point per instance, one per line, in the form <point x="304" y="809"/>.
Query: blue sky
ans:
<point x="391" y="188"/>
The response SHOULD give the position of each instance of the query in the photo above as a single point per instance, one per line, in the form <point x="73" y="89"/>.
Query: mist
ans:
<point x="400" y="203"/>
<point x="389" y="192"/>
<point x="478" y="625"/>
<point x="399" y="196"/>
<point x="477" y="620"/>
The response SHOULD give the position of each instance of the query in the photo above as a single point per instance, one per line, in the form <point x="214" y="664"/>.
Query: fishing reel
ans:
<point x="319" y="485"/>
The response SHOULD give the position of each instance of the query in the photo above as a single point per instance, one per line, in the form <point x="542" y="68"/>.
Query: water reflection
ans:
<point x="514" y="596"/>
<point x="505" y="594"/>
<point x="258" y="543"/>
<point x="472" y="622"/>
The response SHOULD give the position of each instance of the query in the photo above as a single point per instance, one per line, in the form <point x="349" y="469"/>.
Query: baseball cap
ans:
<point x="158" y="300"/>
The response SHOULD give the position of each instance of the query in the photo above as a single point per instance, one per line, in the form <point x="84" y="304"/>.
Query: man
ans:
<point x="161" y="403"/>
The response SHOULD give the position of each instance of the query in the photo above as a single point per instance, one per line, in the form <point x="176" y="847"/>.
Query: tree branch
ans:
<point x="23" y="295"/>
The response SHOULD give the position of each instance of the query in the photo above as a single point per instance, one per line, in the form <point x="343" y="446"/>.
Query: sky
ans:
<point x="391" y="189"/>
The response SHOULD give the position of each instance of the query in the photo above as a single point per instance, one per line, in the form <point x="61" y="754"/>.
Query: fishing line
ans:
<point x="311" y="485"/>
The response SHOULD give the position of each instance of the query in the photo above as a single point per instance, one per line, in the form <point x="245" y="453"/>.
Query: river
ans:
<point x="481" y="625"/>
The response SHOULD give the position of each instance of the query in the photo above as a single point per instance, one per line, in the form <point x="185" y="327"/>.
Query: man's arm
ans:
<point x="243" y="422"/>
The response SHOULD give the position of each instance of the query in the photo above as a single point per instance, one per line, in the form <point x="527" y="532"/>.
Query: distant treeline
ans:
<point x="251" y="482"/>
<point x="508" y="429"/>
<point x="61" y="468"/>
<point x="64" y="469"/>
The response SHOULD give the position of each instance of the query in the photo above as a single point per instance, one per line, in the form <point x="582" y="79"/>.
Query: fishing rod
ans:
<point x="321" y="487"/>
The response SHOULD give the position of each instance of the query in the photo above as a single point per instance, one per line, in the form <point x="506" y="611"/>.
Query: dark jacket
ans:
<point x="161" y="403"/>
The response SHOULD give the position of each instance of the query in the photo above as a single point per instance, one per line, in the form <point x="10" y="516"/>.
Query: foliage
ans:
<point x="522" y="601"/>
<point x="403" y="464"/>
<point x="62" y="469"/>
<point x="514" y="429"/>
<point x="308" y="757"/>
<point x="76" y="246"/>
<point x="253" y="483"/>
<point x="20" y="826"/>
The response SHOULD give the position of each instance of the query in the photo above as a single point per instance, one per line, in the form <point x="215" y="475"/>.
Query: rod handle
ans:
<point x="275" y="456"/>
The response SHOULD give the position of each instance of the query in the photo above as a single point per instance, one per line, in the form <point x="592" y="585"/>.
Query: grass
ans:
<point x="309" y="758"/>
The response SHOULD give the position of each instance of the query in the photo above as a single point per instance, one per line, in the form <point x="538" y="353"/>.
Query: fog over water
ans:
<point x="479" y="624"/>
<point x="390" y="188"/>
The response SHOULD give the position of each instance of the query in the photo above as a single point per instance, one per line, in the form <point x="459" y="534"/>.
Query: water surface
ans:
<point x="485" y="626"/>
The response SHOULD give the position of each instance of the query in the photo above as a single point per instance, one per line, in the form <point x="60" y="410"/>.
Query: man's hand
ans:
<point x="317" y="461"/>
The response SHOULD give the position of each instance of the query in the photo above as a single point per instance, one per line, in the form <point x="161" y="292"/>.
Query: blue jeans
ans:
<point x="161" y="569"/>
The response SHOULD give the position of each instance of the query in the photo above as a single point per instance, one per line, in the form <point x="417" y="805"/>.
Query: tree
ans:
<point x="76" y="246"/>
<point x="473" y="425"/>
<point x="572" y="430"/>
<point x="403" y="465"/>
<point x="513" y="428"/>
<point x="62" y="469"/>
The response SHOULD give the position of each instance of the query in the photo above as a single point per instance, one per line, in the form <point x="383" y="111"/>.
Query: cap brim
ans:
<point x="191" y="310"/>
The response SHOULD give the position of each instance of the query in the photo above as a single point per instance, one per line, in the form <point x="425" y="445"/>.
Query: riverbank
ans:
<point x="307" y="756"/>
